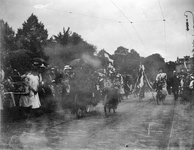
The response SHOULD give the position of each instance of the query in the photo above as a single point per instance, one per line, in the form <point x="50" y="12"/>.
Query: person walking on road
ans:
<point x="175" y="83"/>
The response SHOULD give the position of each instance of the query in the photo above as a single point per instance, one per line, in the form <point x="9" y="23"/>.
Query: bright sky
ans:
<point x="108" y="24"/>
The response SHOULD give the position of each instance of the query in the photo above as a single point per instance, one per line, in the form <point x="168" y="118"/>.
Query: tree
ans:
<point x="64" y="47"/>
<point x="7" y="40"/>
<point x="127" y="62"/>
<point x="152" y="64"/>
<point x="63" y="38"/>
<point x="134" y="55"/>
<point x="32" y="36"/>
<point x="75" y="38"/>
<point x="121" y="50"/>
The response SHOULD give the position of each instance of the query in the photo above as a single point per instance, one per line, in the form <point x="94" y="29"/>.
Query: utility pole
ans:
<point x="187" y="28"/>
<point x="187" y="22"/>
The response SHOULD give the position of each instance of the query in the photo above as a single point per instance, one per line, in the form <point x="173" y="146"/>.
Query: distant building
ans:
<point x="183" y="65"/>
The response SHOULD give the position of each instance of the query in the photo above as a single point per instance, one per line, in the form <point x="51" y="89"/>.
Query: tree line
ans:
<point x="66" y="46"/>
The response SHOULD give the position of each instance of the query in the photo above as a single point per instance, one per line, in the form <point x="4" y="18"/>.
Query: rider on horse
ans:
<point x="161" y="79"/>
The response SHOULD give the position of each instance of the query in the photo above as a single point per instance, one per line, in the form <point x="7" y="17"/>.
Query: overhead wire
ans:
<point x="86" y="15"/>
<point x="128" y="34"/>
<point x="164" y="25"/>
<point x="69" y="12"/>
<point x="131" y="24"/>
<point x="174" y="27"/>
<point x="112" y="20"/>
<point x="180" y="32"/>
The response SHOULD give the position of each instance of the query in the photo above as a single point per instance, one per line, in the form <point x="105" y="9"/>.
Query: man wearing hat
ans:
<point x="175" y="83"/>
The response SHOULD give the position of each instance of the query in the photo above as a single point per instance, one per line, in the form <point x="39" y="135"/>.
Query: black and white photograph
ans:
<point x="96" y="74"/>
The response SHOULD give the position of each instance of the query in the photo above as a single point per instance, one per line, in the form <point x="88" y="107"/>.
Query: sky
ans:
<point x="147" y="26"/>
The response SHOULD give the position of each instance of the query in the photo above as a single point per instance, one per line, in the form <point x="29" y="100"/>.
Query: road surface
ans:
<point x="135" y="126"/>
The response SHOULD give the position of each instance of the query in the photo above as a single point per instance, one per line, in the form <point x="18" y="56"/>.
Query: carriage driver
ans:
<point x="161" y="78"/>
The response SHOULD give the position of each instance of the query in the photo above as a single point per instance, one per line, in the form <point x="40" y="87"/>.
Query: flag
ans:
<point x="141" y="75"/>
<point x="185" y="65"/>
<point x="109" y="59"/>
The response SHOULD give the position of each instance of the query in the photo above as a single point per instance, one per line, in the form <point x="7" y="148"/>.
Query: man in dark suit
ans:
<point x="175" y="83"/>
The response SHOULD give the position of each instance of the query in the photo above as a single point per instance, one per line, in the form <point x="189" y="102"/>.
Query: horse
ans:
<point x="161" y="93"/>
<point x="111" y="99"/>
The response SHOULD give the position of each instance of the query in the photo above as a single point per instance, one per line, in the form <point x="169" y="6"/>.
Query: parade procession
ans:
<point x="59" y="91"/>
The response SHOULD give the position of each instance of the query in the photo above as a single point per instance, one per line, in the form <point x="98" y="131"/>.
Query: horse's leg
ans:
<point x="105" y="109"/>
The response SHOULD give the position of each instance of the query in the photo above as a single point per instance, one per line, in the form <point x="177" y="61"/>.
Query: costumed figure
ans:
<point x="161" y="86"/>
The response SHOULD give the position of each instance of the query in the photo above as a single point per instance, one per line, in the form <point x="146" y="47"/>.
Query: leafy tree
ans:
<point x="152" y="64"/>
<point x="121" y="50"/>
<point x="127" y="62"/>
<point x="65" y="47"/>
<point x="7" y="37"/>
<point x="75" y="38"/>
<point x="7" y="40"/>
<point x="32" y="36"/>
<point x="134" y="55"/>
<point x="63" y="38"/>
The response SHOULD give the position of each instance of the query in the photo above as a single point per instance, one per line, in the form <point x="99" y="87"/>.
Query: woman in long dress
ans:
<point x="25" y="103"/>
<point x="34" y="83"/>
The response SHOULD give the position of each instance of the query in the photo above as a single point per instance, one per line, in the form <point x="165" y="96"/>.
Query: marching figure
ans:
<point x="175" y="81"/>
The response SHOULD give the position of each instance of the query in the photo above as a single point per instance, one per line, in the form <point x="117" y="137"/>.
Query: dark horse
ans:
<point x="111" y="99"/>
<point x="160" y="96"/>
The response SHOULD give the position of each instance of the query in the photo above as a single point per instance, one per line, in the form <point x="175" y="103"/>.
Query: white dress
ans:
<point x="34" y="97"/>
<point x="163" y="77"/>
<point x="25" y="99"/>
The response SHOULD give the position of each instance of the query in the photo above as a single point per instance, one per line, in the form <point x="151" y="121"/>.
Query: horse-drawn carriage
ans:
<point x="88" y="90"/>
<point x="84" y="91"/>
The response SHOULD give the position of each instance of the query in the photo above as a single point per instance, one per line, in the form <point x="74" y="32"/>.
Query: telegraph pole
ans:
<point x="187" y="22"/>
<point x="187" y="28"/>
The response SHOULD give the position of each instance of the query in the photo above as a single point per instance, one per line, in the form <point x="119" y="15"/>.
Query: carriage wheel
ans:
<point x="78" y="110"/>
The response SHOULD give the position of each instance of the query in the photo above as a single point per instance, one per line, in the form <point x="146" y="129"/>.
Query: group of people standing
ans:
<point x="22" y="94"/>
<point x="179" y="85"/>
<point x="29" y="97"/>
